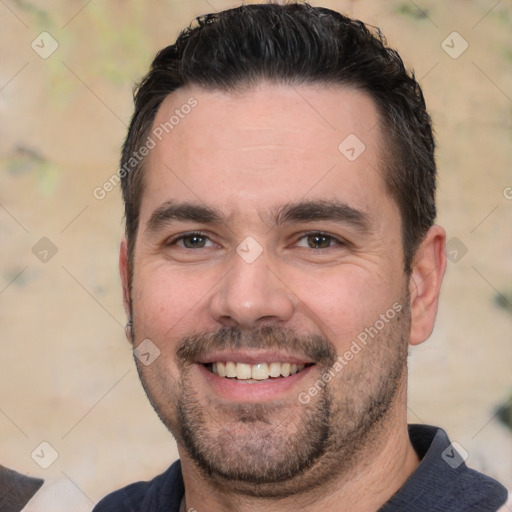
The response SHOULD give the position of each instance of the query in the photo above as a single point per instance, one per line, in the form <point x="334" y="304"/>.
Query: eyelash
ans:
<point x="338" y="241"/>
<point x="189" y="234"/>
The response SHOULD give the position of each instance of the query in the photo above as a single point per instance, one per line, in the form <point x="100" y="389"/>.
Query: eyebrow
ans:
<point x="171" y="211"/>
<point x="332" y="210"/>
<point x="300" y="212"/>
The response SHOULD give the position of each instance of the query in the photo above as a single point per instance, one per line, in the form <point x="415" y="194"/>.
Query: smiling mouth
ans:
<point x="255" y="372"/>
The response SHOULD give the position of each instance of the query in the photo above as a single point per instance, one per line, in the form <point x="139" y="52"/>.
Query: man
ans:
<point x="280" y="256"/>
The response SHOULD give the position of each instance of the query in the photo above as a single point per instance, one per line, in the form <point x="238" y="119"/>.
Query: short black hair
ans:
<point x="294" y="44"/>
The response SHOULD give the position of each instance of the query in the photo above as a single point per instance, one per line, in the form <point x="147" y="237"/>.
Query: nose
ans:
<point x="251" y="295"/>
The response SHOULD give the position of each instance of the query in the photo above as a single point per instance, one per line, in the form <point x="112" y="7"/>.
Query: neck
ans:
<point x="382" y="467"/>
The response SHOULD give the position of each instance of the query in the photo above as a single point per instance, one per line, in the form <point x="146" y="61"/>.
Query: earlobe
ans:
<point x="425" y="282"/>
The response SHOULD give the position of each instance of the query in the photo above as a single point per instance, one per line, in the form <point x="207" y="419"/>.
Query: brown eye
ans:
<point x="317" y="241"/>
<point x="194" y="241"/>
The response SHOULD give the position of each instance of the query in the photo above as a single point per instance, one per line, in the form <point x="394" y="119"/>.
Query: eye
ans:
<point x="192" y="241"/>
<point x="318" y="241"/>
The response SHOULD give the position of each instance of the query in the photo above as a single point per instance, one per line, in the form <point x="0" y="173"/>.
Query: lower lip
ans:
<point x="242" y="391"/>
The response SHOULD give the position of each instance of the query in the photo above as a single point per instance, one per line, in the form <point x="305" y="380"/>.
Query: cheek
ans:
<point x="166" y="303"/>
<point x="346" y="301"/>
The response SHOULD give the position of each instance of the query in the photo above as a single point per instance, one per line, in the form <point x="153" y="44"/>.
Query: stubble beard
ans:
<point x="282" y="449"/>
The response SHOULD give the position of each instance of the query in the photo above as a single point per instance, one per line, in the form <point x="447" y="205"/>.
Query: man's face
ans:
<point x="264" y="247"/>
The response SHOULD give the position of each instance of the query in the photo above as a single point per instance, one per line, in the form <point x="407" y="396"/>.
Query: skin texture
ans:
<point x="248" y="156"/>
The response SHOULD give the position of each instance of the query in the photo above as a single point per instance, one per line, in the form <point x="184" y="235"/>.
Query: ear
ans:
<point x="125" y="275"/>
<point x="427" y="274"/>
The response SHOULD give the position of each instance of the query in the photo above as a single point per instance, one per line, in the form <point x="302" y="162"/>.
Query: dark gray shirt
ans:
<point x="441" y="483"/>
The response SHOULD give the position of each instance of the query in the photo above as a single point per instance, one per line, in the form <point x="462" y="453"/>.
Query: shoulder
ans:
<point x="476" y="491"/>
<point x="165" y="490"/>
<point x="442" y="481"/>
<point x="127" y="499"/>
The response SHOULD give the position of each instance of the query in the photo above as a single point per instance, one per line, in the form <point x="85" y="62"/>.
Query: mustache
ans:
<point x="316" y="347"/>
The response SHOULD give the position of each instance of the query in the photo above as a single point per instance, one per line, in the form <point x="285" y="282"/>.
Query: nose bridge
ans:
<point x="251" y="292"/>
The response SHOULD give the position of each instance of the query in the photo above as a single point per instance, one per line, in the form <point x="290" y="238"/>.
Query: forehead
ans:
<point x="269" y="144"/>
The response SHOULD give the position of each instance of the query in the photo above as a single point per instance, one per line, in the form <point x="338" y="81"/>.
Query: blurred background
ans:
<point x="67" y="378"/>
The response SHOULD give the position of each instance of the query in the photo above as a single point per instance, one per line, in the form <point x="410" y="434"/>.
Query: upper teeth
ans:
<point x="260" y="371"/>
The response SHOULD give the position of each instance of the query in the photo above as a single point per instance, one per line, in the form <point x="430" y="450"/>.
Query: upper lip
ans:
<point x="252" y="357"/>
